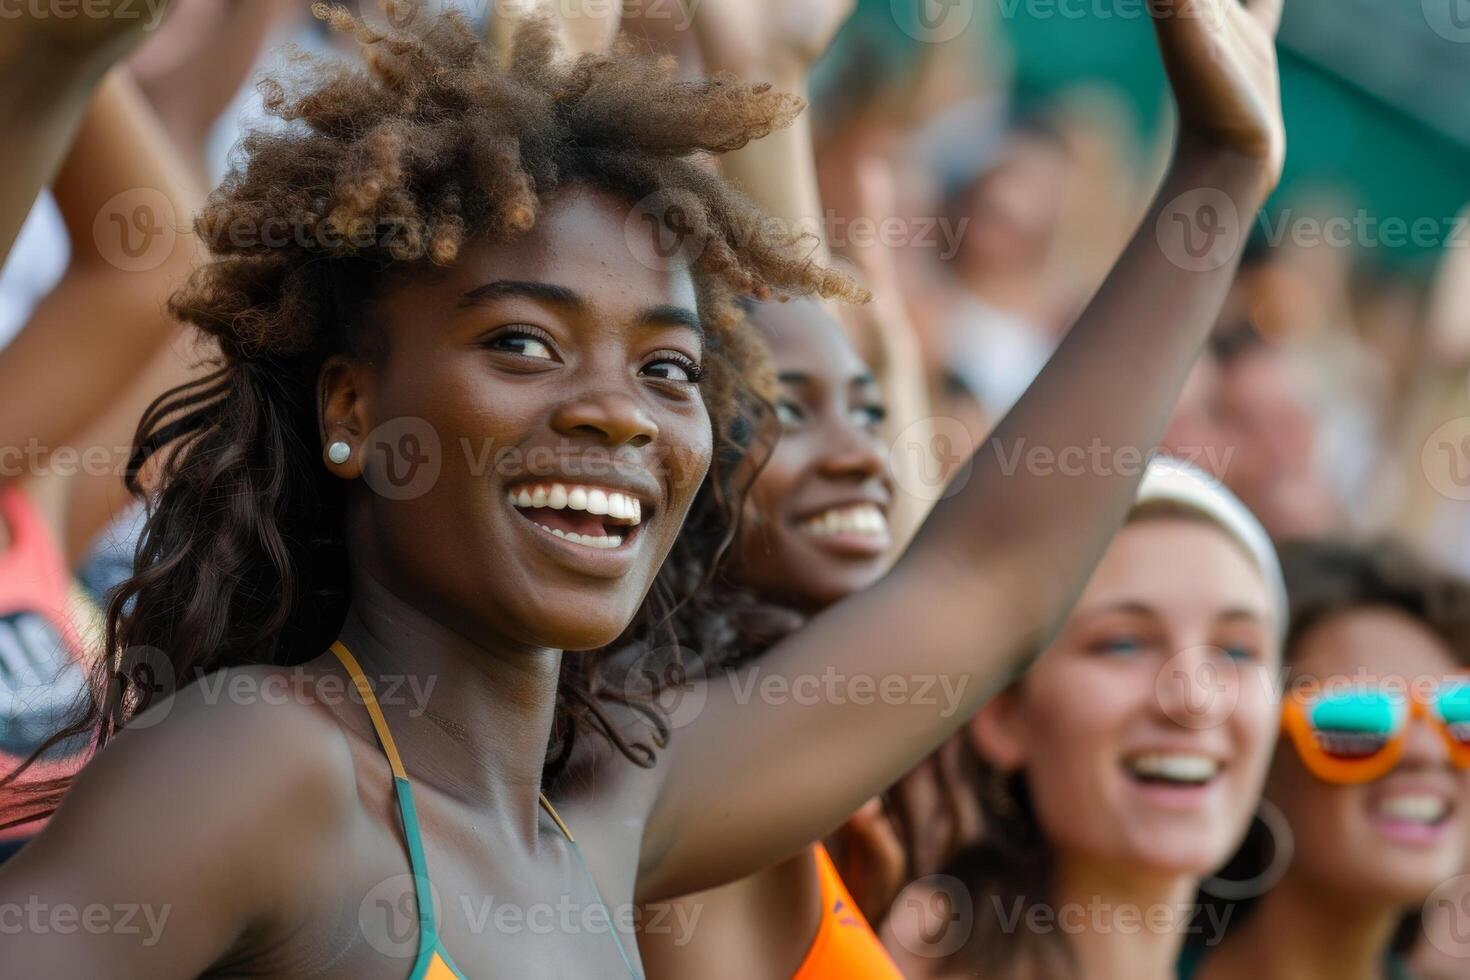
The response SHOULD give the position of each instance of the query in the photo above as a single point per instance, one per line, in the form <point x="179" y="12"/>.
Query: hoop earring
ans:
<point x="339" y="452"/>
<point x="1283" y="844"/>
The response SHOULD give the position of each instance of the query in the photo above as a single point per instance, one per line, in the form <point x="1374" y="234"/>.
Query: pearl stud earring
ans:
<point x="339" y="452"/>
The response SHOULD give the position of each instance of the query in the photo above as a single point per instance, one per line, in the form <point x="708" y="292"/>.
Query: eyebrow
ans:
<point x="1141" y="609"/>
<point x="667" y="314"/>
<point x="864" y="380"/>
<point x="1242" y="613"/>
<point x="661" y="315"/>
<point x="545" y="292"/>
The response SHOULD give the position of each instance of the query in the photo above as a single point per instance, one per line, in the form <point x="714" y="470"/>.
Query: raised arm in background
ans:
<point x="582" y="25"/>
<point x="777" y="42"/>
<point x="127" y="201"/>
<point x="49" y="67"/>
<point x="998" y="563"/>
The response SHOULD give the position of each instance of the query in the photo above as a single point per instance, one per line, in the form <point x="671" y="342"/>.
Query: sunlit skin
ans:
<point x="1355" y="870"/>
<point x="560" y="347"/>
<point x="829" y="454"/>
<point x="1174" y="606"/>
<point x="552" y="357"/>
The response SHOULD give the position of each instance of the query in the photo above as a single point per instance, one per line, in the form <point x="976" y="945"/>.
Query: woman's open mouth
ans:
<point x="851" y="530"/>
<point x="1415" y="816"/>
<point x="590" y="516"/>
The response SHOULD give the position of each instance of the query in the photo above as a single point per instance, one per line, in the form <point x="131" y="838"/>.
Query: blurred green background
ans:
<point x="1374" y="91"/>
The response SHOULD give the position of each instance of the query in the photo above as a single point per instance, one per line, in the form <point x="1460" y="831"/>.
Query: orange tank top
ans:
<point x="846" y="948"/>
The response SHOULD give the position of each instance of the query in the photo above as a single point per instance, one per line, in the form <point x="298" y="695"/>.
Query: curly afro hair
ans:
<point x="381" y="171"/>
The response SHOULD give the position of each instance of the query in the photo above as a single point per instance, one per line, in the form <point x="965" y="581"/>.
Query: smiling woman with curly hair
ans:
<point x="475" y="409"/>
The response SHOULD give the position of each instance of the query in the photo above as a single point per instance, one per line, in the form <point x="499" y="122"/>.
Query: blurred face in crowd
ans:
<point x="1145" y="729"/>
<point x="1272" y="438"/>
<point x="1196" y="432"/>
<point x="1013" y="209"/>
<point x="1393" y="840"/>
<point x="815" y="527"/>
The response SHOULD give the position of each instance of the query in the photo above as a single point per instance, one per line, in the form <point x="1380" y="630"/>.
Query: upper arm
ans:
<point x="188" y="830"/>
<point x="786" y="748"/>
<point x="106" y="321"/>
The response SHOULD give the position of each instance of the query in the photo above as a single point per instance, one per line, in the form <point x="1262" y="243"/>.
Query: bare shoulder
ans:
<point x="233" y="764"/>
<point x="227" y="802"/>
<point x="256" y="728"/>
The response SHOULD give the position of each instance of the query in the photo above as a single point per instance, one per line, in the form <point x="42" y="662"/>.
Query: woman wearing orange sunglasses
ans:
<point x="1371" y="781"/>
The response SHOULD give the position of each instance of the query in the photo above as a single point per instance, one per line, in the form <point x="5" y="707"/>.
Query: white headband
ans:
<point x="1178" y="482"/>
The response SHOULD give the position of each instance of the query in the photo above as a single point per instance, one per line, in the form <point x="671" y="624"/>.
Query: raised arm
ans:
<point x="783" y="751"/>
<point x="127" y="201"/>
<point x="583" y="25"/>
<point x="777" y="42"/>
<point x="773" y="42"/>
<point x="49" y="66"/>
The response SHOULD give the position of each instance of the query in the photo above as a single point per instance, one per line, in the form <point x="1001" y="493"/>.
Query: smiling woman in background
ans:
<point x="1117" y="774"/>
<point x="1371" y="774"/>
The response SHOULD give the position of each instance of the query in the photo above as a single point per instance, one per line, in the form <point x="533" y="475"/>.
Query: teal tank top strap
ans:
<point x="433" y="961"/>
<point x="429" y="943"/>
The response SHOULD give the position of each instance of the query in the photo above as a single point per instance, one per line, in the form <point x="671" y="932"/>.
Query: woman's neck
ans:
<point x="1299" y="929"/>
<point x="472" y="717"/>
<point x="1119" y="923"/>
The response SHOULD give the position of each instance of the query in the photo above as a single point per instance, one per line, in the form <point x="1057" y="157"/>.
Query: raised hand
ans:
<point x="1220" y="56"/>
<point x="776" y="37"/>
<point x="584" y="27"/>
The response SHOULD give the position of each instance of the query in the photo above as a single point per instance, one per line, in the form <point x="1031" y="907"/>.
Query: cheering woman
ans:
<point x="467" y="401"/>
<point x="1125" y="765"/>
<point x="1371" y="779"/>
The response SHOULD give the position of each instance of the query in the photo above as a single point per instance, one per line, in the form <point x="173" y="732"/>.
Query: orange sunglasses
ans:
<point x="1357" y="736"/>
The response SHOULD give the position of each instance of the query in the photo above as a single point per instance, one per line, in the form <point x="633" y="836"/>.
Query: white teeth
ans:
<point x="1176" y="768"/>
<point x="864" y="519"/>
<point x="594" y="500"/>
<point x="603" y="541"/>
<point x="1417" y="808"/>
